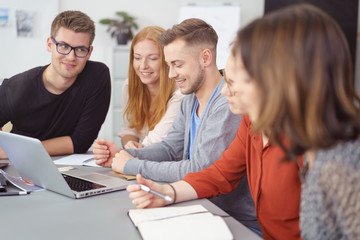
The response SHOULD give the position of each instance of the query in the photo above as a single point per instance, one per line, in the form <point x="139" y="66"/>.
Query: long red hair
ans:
<point x="140" y="111"/>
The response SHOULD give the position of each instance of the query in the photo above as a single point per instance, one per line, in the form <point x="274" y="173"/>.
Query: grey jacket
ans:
<point x="168" y="160"/>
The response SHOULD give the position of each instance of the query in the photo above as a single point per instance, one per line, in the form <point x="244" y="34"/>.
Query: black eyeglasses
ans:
<point x="228" y="83"/>
<point x="65" y="49"/>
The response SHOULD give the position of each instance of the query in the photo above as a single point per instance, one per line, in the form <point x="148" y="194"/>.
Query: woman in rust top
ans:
<point x="290" y="71"/>
<point x="274" y="184"/>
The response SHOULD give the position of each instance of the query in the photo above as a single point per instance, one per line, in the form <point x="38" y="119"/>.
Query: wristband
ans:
<point x="174" y="192"/>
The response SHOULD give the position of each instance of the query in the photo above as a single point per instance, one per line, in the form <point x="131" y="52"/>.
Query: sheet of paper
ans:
<point x="194" y="226"/>
<point x="90" y="162"/>
<point x="149" y="214"/>
<point x="170" y="222"/>
<point x="65" y="169"/>
<point x="77" y="160"/>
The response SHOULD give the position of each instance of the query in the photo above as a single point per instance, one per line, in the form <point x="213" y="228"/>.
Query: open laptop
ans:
<point x="34" y="165"/>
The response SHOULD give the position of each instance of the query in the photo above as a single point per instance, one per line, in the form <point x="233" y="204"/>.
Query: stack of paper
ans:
<point x="190" y="222"/>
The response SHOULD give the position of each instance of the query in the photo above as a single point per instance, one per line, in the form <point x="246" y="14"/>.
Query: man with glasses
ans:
<point x="64" y="103"/>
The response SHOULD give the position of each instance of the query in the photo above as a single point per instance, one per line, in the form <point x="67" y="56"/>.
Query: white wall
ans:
<point x="148" y="12"/>
<point x="19" y="54"/>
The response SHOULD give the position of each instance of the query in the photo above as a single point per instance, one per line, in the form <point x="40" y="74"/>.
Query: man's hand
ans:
<point x="119" y="161"/>
<point x="104" y="152"/>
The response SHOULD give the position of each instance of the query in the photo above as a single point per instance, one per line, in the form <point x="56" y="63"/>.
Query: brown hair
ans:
<point x="74" y="20"/>
<point x="139" y="111"/>
<point x="300" y="60"/>
<point x="194" y="31"/>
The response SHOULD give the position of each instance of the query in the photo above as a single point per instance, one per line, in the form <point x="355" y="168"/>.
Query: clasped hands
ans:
<point x="108" y="154"/>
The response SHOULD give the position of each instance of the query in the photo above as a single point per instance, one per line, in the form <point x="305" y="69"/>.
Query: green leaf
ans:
<point x="122" y="14"/>
<point x="105" y="21"/>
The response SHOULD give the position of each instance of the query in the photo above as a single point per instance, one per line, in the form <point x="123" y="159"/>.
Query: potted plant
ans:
<point x="121" y="28"/>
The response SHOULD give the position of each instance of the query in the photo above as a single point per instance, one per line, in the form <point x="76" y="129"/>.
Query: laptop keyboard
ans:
<point x="80" y="185"/>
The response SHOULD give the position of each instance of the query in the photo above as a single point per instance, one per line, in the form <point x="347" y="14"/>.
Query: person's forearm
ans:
<point x="184" y="191"/>
<point x="59" y="146"/>
<point x="127" y="138"/>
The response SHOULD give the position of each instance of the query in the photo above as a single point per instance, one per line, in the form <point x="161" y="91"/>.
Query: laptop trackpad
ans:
<point x="95" y="177"/>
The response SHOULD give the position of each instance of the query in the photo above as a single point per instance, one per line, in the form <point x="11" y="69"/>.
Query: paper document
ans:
<point x="189" y="222"/>
<point x="77" y="160"/>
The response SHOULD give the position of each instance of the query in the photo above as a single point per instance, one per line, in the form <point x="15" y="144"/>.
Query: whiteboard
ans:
<point x="223" y="17"/>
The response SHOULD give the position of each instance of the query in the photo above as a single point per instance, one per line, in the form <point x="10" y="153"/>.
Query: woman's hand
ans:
<point x="143" y="199"/>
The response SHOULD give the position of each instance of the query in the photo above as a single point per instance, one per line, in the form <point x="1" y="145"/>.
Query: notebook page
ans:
<point x="73" y="159"/>
<point x="143" y="215"/>
<point x="196" y="226"/>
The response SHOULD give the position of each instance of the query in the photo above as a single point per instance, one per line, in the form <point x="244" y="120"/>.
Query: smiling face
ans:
<point x="185" y="67"/>
<point x="68" y="67"/>
<point x="147" y="62"/>
<point x="241" y="90"/>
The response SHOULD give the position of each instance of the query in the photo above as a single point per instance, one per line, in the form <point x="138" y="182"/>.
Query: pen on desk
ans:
<point x="13" y="193"/>
<point x="147" y="189"/>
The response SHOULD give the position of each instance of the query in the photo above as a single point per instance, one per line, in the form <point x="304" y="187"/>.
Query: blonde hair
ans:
<point x="139" y="111"/>
<point x="300" y="60"/>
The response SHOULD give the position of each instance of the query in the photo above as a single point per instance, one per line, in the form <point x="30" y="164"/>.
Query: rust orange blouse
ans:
<point x="275" y="186"/>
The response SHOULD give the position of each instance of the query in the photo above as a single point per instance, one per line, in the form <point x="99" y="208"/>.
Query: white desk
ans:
<point x="48" y="215"/>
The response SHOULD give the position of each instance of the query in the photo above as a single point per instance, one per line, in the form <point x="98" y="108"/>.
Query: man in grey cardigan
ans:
<point x="203" y="128"/>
